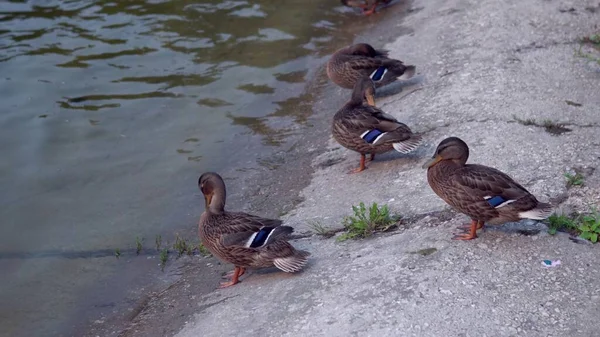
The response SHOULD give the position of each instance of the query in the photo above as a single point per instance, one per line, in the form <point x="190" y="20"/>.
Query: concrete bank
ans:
<point x="483" y="66"/>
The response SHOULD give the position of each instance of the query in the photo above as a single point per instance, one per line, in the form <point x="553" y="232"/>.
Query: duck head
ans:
<point x="451" y="149"/>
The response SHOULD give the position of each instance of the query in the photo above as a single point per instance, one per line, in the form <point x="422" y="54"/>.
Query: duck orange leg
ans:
<point x="370" y="11"/>
<point x="237" y="272"/>
<point x="372" y="157"/>
<point x="467" y="227"/>
<point x="362" y="165"/>
<point x="472" y="232"/>
<point x="230" y="274"/>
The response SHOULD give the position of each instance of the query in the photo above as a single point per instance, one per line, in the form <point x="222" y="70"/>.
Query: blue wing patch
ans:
<point x="371" y="136"/>
<point x="378" y="74"/>
<point x="261" y="237"/>
<point x="496" y="201"/>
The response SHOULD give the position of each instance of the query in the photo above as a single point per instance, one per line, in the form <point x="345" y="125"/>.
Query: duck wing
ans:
<point x="483" y="190"/>
<point x="250" y="231"/>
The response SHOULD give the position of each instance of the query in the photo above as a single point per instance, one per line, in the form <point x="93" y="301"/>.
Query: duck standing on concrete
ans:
<point x="347" y="65"/>
<point x="245" y="240"/>
<point x="364" y="128"/>
<point x="483" y="193"/>
<point x="368" y="6"/>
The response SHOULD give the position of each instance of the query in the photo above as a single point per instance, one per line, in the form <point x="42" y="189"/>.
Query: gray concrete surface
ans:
<point x="481" y="63"/>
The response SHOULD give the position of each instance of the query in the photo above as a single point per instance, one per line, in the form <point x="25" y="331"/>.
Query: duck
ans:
<point x="368" y="6"/>
<point x="349" y="64"/>
<point x="242" y="239"/>
<point x="362" y="127"/>
<point x="483" y="193"/>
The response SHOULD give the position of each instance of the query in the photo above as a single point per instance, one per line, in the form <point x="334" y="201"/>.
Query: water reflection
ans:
<point x="111" y="107"/>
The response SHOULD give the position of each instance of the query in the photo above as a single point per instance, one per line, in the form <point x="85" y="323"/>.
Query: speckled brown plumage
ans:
<point x="356" y="117"/>
<point x="485" y="194"/>
<point x="349" y="64"/>
<point x="228" y="235"/>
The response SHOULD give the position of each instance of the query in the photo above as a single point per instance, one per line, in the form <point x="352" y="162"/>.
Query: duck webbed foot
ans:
<point x="361" y="167"/>
<point x="368" y="12"/>
<point x="472" y="228"/>
<point x="237" y="272"/>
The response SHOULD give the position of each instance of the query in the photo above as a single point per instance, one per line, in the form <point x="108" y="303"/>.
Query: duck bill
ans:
<point x="432" y="162"/>
<point x="207" y="199"/>
<point x="370" y="99"/>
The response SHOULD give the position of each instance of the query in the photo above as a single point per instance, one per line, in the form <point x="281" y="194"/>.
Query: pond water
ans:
<point x="110" y="112"/>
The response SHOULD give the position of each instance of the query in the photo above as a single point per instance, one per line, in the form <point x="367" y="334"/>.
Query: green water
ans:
<point x="110" y="111"/>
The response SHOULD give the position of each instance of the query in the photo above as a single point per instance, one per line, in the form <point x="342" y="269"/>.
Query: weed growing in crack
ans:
<point x="590" y="226"/>
<point x="561" y="223"/>
<point x="158" y="241"/>
<point x="181" y="246"/>
<point x="554" y="128"/>
<point x="138" y="245"/>
<point x="586" y="226"/>
<point x="203" y="250"/>
<point x="318" y="228"/>
<point x="574" y="179"/>
<point x="117" y="253"/>
<point x="164" y="257"/>
<point x="593" y="41"/>
<point x="525" y="122"/>
<point x="549" y="126"/>
<point x="367" y="222"/>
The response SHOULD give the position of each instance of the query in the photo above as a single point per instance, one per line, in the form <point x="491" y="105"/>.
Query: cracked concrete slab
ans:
<point x="482" y="66"/>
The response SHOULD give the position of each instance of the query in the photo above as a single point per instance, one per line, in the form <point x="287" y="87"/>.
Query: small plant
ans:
<point x="164" y="257"/>
<point x="574" y="179"/>
<point x="590" y="226"/>
<point x="158" y="241"/>
<point x="526" y="122"/>
<point x="138" y="245"/>
<point x="549" y="126"/>
<point x="593" y="41"/>
<point x="117" y="253"/>
<point x="365" y="222"/>
<point x="203" y="250"/>
<point x="180" y="245"/>
<point x="561" y="222"/>
<point x="319" y="229"/>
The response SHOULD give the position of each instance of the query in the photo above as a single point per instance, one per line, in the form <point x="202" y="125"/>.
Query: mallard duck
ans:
<point x="245" y="240"/>
<point x="368" y="6"/>
<point x="349" y="64"/>
<point x="364" y="128"/>
<point x="483" y="193"/>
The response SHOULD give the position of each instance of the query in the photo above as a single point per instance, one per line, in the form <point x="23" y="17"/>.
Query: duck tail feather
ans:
<point x="539" y="212"/>
<point x="293" y="263"/>
<point x="408" y="145"/>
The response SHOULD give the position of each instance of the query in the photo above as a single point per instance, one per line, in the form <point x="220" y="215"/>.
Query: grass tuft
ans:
<point x="586" y="226"/>
<point x="203" y="250"/>
<point x="576" y="179"/>
<point x="181" y="246"/>
<point x="367" y="222"/>
<point x="158" y="242"/>
<point x="318" y="228"/>
<point x="164" y="257"/>
<point x="594" y="42"/>
<point x="138" y="245"/>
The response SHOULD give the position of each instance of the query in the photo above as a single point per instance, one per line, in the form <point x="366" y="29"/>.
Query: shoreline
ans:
<point x="292" y="169"/>
<point x="468" y="84"/>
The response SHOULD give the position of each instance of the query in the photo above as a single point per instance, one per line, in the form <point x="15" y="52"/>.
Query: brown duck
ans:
<point x="483" y="193"/>
<point x="364" y="128"/>
<point x="347" y="65"/>
<point x="368" y="6"/>
<point x="245" y="240"/>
